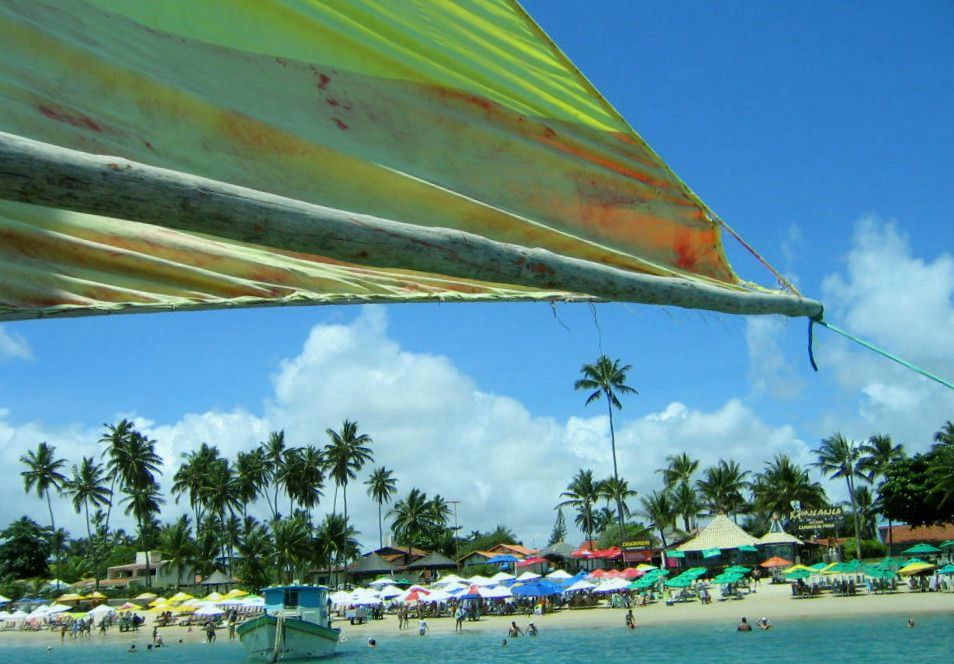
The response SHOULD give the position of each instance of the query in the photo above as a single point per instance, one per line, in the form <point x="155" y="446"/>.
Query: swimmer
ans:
<point x="532" y="630"/>
<point x="764" y="623"/>
<point x="910" y="622"/>
<point x="132" y="648"/>
<point x="503" y="643"/>
<point x="514" y="630"/>
<point x="630" y="619"/>
<point x="744" y="626"/>
<point x="422" y="627"/>
<point x="372" y="643"/>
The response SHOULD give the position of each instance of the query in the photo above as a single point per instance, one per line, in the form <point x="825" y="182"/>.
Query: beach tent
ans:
<point x="497" y="592"/>
<point x="919" y="549"/>
<point x="539" y="588"/>
<point x="580" y="585"/>
<point x="612" y="585"/>
<point x="949" y="544"/>
<point x="947" y="569"/>
<point x="504" y="558"/>
<point x="329" y="152"/>
<point x="502" y="576"/>
<point x="527" y="576"/>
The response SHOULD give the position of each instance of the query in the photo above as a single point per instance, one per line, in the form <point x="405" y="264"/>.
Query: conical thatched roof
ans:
<point x="371" y="564"/>
<point x="720" y="534"/>
<point x="780" y="537"/>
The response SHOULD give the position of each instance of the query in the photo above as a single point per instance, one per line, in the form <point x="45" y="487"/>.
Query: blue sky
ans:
<point x="822" y="132"/>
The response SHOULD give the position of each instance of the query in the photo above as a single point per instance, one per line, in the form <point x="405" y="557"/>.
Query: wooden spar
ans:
<point x="43" y="174"/>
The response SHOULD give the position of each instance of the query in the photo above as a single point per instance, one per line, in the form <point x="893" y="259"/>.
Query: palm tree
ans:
<point x="116" y="439"/>
<point x="86" y="486"/>
<point x="616" y="490"/>
<point x="338" y="539"/>
<point x="603" y="518"/>
<point x="292" y="545"/>
<point x="412" y="517"/>
<point x="867" y="508"/>
<point x="381" y="487"/>
<point x="346" y="454"/>
<point x="784" y="482"/>
<point x="877" y="456"/>
<point x="606" y="378"/>
<point x="251" y="477"/>
<point x="582" y="494"/>
<point x="194" y="477"/>
<point x="940" y="469"/>
<point x="176" y="542"/>
<point x="142" y="501"/>
<point x="43" y="472"/>
<point x="721" y="487"/>
<point x="679" y="468"/>
<point x="839" y="457"/>
<point x="304" y="477"/>
<point x="273" y="456"/>
<point x="686" y="502"/>
<point x="661" y="512"/>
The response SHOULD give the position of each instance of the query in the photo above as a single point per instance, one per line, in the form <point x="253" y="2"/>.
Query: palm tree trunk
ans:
<point x="380" y="529"/>
<point x="619" y="503"/>
<point x="890" y="537"/>
<point x="854" y="513"/>
<point x="662" y="536"/>
<point x="56" y="540"/>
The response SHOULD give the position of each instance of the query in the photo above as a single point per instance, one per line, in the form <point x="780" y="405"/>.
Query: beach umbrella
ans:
<point x="891" y="563"/>
<point x="180" y="597"/>
<point x="947" y="569"/>
<point x="208" y="610"/>
<point x="596" y="574"/>
<point x="533" y="560"/>
<point x="366" y="596"/>
<point x="611" y="585"/>
<point x="920" y="548"/>
<point x="582" y="584"/>
<point x="775" y="561"/>
<point x="558" y="575"/>
<point x="126" y="606"/>
<point x="70" y="597"/>
<point x="213" y="597"/>
<point x="454" y="588"/>
<point x="401" y="581"/>
<point x="482" y="581"/>
<point x="910" y="561"/>
<point x="915" y="568"/>
<point x="504" y="559"/>
<point x="748" y="548"/>
<point x="387" y="592"/>
<point x="102" y="609"/>
<point x="818" y="567"/>
<point x="675" y="553"/>
<point x="694" y="572"/>
<point x="382" y="581"/>
<point x="796" y="568"/>
<point x="527" y="576"/>
<point x="497" y="592"/>
<point x="450" y="578"/>
<point x="536" y="589"/>
<point x="502" y="576"/>
<point x="799" y="574"/>
<point x="471" y="593"/>
<point x="726" y="578"/>
<point x="739" y="569"/>
<point x="149" y="596"/>
<point x="711" y="553"/>
<point x="96" y="595"/>
<point x="253" y="601"/>
<point x="39" y="612"/>
<point x="876" y="572"/>
<point x="679" y="582"/>
<point x="949" y="544"/>
<point x="236" y="593"/>
<point x="831" y="568"/>
<point x="340" y="597"/>
<point x="19" y="614"/>
<point x="643" y="583"/>
<point x="414" y="595"/>
<point x="4" y="615"/>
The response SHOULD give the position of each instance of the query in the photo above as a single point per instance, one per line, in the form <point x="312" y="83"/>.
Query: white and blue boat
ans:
<point x="295" y="625"/>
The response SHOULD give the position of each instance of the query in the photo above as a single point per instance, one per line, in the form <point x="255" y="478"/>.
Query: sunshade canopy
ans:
<point x="918" y="549"/>
<point x="776" y="561"/>
<point x="384" y="152"/>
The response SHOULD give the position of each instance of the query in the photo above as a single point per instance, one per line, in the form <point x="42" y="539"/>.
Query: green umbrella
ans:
<point x="748" y="548"/>
<point x="711" y="553"/>
<point x="911" y="561"/>
<point x="643" y="583"/>
<point x="726" y="578"/>
<point x="949" y="544"/>
<point x="876" y="572"/>
<point x="798" y="574"/>
<point x="947" y="569"/>
<point x="852" y="566"/>
<point x="678" y="582"/>
<point x="738" y="569"/>
<point x="694" y="572"/>
<point x="891" y="563"/>
<point x="675" y="554"/>
<point x="921" y="548"/>
<point x="819" y="566"/>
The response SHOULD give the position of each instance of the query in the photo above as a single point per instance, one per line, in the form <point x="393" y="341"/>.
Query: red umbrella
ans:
<point x="775" y="561"/>
<point x="536" y="560"/>
<point x="631" y="573"/>
<point x="416" y="595"/>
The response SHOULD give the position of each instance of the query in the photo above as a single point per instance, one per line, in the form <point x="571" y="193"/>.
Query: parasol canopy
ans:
<point x="919" y="549"/>
<point x="776" y="561"/>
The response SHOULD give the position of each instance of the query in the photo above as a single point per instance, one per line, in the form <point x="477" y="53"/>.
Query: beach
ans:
<point x="772" y="601"/>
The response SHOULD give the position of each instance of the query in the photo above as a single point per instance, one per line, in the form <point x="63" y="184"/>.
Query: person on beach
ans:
<point x="532" y="629"/>
<point x="744" y="626"/>
<point x="459" y="617"/>
<point x="514" y="630"/>
<point x="422" y="627"/>
<point x="630" y="619"/>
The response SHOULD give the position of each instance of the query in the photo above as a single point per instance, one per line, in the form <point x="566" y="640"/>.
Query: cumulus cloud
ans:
<point x="434" y="427"/>
<point x="902" y="303"/>
<point x="770" y="371"/>
<point x="13" y="346"/>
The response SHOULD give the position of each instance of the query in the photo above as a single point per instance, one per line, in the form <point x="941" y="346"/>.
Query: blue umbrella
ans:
<point x="536" y="589"/>
<point x="504" y="558"/>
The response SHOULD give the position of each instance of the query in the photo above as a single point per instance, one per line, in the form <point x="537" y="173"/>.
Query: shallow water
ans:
<point x="833" y="641"/>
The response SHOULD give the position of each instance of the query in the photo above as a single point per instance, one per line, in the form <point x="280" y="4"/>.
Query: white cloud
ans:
<point x="13" y="346"/>
<point x="904" y="304"/>
<point x="769" y="370"/>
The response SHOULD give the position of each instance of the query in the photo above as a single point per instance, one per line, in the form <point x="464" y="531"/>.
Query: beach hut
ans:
<point x="717" y="543"/>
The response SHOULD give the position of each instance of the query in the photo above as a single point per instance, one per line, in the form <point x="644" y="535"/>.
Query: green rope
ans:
<point x="880" y="351"/>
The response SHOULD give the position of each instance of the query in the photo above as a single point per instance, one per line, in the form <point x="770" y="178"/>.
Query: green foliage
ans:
<point x="25" y="550"/>
<point x="486" y="541"/>
<point x="910" y="494"/>
<point x="870" y="548"/>
<point x="558" y="534"/>
<point x="632" y="531"/>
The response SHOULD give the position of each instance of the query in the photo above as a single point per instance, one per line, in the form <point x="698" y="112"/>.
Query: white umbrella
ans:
<point x="253" y="601"/>
<point x="528" y="576"/>
<point x="102" y="609"/>
<point x="382" y="581"/>
<point x="480" y="581"/>
<point x="4" y="615"/>
<point x="39" y="612"/>
<point x="611" y="585"/>
<point x="365" y="596"/>
<point x="455" y="587"/>
<point x="559" y="575"/>
<point x="340" y="597"/>
<point x="18" y="614"/>
<point x="497" y="592"/>
<point x="208" y="610"/>
<point x="450" y="578"/>
<point x="439" y="595"/>
<point x="501" y="576"/>
<point x="580" y="585"/>
<point x="388" y="592"/>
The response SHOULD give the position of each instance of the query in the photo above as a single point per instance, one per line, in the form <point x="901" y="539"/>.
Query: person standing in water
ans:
<point x="744" y="626"/>
<point x="422" y="627"/>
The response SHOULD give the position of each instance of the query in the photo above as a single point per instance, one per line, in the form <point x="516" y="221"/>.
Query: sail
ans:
<point x="437" y="116"/>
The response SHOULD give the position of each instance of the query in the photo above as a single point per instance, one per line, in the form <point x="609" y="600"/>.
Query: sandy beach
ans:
<point x="775" y="602"/>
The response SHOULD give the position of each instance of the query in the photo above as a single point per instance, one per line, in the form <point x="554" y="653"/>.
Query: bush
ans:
<point x="870" y="548"/>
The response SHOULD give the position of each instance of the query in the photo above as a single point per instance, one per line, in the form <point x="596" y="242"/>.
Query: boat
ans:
<point x="295" y="625"/>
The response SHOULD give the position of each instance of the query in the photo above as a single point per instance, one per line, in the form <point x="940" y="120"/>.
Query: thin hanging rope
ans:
<point x="768" y="266"/>
<point x="599" y="332"/>
<point x="869" y="346"/>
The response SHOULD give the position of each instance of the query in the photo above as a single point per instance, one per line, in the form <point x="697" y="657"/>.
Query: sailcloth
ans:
<point x="460" y="116"/>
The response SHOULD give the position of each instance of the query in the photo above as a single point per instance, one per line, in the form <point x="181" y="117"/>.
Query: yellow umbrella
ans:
<point x="644" y="567"/>
<point x="69" y="597"/>
<point x="180" y="597"/>
<point x="830" y="569"/>
<point x="235" y="593"/>
<point x="795" y="568"/>
<point x="159" y="601"/>
<point x="142" y="596"/>
<point x="96" y="595"/>
<point x="187" y="609"/>
<point x="213" y="597"/>
<point x="914" y="568"/>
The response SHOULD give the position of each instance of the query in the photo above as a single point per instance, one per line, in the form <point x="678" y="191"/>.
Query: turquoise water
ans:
<point x="871" y="640"/>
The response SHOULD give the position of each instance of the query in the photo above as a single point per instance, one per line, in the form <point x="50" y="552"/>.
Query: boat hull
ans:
<point x="302" y="639"/>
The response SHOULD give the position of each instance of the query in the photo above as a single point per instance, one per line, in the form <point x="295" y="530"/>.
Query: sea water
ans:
<point x="871" y="640"/>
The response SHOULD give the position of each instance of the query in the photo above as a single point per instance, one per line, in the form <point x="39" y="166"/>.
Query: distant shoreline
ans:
<point x="772" y="601"/>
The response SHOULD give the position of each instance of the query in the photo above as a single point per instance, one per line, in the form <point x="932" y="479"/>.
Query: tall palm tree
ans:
<point x="661" y="512"/>
<point x="193" y="478"/>
<point x="686" y="502"/>
<point x="292" y="544"/>
<point x="177" y="544"/>
<point x="721" y="487"/>
<point x="582" y="494"/>
<point x="940" y="469"/>
<point x="143" y="502"/>
<point x="116" y="439"/>
<point x="381" y="488"/>
<point x="616" y="491"/>
<point x="338" y="540"/>
<point x="273" y="455"/>
<point x="88" y="485"/>
<point x="784" y="482"/>
<point x="839" y="457"/>
<point x="346" y="454"/>
<point x="606" y="378"/>
<point x="867" y="508"/>
<point x="43" y="472"/>
<point x="877" y="456"/>
<point x="679" y="468"/>
<point x="305" y="478"/>
<point x="251" y="476"/>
